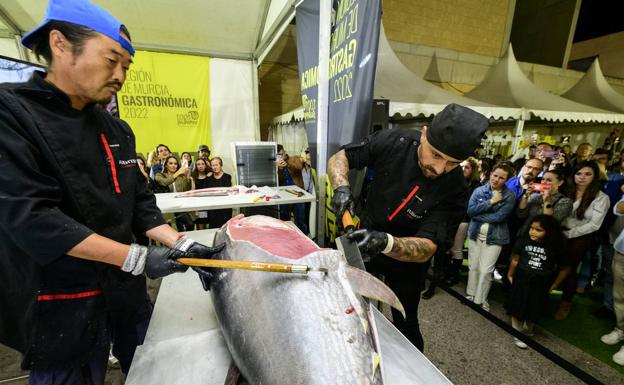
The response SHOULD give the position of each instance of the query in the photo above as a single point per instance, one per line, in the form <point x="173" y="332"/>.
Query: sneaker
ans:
<point x="613" y="338"/>
<point x="520" y="344"/>
<point x="470" y="297"/>
<point x="497" y="275"/>
<point x="618" y="357"/>
<point x="486" y="306"/>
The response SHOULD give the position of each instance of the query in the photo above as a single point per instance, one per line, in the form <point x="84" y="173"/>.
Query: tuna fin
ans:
<point x="366" y="285"/>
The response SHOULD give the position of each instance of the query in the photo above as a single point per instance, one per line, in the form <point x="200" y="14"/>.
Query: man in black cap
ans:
<point x="416" y="199"/>
<point x="203" y="152"/>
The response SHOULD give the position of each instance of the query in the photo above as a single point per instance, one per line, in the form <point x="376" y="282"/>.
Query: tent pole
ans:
<point x="325" y="8"/>
<point x="517" y="134"/>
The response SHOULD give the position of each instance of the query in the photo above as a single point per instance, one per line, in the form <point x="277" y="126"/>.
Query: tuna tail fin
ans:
<point x="366" y="285"/>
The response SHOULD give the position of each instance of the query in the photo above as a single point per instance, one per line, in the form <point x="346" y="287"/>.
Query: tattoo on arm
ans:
<point x="338" y="169"/>
<point x="413" y="249"/>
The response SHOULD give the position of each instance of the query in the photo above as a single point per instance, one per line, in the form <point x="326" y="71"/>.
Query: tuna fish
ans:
<point x="295" y="329"/>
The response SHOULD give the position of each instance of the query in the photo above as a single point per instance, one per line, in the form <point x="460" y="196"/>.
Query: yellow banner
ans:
<point x="166" y="99"/>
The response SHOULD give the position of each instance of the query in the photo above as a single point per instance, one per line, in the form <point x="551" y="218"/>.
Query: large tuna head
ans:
<point x="295" y="328"/>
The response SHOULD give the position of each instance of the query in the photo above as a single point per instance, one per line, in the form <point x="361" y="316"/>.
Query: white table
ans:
<point x="168" y="203"/>
<point x="184" y="344"/>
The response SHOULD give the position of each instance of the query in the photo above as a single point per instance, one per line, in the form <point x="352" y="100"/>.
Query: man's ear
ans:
<point x="58" y="43"/>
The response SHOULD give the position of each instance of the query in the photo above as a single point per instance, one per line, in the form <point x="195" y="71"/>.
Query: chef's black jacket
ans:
<point x="403" y="202"/>
<point x="64" y="174"/>
<point x="436" y="208"/>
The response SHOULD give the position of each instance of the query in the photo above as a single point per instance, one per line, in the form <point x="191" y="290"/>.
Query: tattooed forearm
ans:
<point x="338" y="169"/>
<point x="412" y="249"/>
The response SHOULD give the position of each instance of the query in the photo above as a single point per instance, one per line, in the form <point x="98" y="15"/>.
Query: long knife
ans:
<point x="251" y="265"/>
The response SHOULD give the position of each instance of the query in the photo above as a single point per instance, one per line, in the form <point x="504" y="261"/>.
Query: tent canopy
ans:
<point x="506" y="84"/>
<point x="409" y="94"/>
<point x="594" y="90"/>
<point x="234" y="29"/>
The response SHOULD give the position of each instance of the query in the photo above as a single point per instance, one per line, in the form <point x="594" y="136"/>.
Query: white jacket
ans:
<point x="592" y="220"/>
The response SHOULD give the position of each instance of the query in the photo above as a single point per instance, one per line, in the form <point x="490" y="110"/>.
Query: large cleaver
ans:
<point x="347" y="247"/>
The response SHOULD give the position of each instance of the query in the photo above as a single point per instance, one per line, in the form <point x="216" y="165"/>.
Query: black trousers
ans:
<point x="407" y="280"/>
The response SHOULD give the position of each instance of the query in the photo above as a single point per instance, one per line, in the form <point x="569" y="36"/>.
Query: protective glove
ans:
<point x="370" y="242"/>
<point x="197" y="250"/>
<point x="341" y="202"/>
<point x="153" y="261"/>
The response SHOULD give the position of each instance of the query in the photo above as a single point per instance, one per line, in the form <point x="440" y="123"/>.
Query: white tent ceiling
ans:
<point x="410" y="95"/>
<point x="506" y="85"/>
<point x="236" y="29"/>
<point x="594" y="90"/>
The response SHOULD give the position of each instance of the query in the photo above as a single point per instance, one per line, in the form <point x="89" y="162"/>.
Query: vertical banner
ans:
<point x="166" y="99"/>
<point x="352" y="63"/>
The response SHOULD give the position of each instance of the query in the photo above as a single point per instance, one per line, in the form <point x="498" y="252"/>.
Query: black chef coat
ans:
<point x="65" y="174"/>
<point x="435" y="210"/>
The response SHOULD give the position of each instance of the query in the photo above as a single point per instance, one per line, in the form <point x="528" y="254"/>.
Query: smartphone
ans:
<point x="278" y="157"/>
<point x="551" y="154"/>
<point x="185" y="163"/>
<point x="539" y="187"/>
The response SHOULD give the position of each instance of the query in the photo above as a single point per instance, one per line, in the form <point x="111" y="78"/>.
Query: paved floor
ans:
<point x="465" y="346"/>
<point x="469" y="349"/>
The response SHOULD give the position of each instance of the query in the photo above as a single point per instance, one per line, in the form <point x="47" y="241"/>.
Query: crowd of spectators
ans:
<point x="164" y="172"/>
<point x="545" y="219"/>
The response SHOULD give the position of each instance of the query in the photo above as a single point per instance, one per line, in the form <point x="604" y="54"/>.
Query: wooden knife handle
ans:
<point x="347" y="221"/>
<point x="243" y="265"/>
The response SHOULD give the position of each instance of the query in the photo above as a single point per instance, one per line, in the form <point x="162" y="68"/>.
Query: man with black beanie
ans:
<point x="416" y="199"/>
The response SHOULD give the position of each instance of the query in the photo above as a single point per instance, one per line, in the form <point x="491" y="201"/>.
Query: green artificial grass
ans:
<point x="581" y="328"/>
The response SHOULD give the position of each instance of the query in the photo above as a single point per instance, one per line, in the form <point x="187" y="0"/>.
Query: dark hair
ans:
<point x="561" y="176"/>
<point x="553" y="240"/>
<point x="603" y="151"/>
<point x="195" y="172"/>
<point x="486" y="167"/>
<point x="144" y="162"/>
<point x="505" y="166"/>
<point x="162" y="145"/>
<point x="167" y="160"/>
<point x="76" y="35"/>
<point x="279" y="147"/>
<point x="545" y="143"/>
<point x="592" y="190"/>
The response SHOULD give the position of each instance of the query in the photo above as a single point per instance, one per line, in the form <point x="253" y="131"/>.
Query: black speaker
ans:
<point x="379" y="115"/>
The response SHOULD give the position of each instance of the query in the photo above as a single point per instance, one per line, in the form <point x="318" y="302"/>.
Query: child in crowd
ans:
<point x="536" y="258"/>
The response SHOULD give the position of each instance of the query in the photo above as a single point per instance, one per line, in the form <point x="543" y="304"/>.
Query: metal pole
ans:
<point x="517" y="135"/>
<point x="325" y="8"/>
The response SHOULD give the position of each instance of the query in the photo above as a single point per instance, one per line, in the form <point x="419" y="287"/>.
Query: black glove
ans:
<point x="370" y="242"/>
<point x="161" y="261"/>
<point x="197" y="250"/>
<point x="341" y="202"/>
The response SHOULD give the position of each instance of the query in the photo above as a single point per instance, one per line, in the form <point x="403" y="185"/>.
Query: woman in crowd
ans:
<point x="186" y="159"/>
<point x="488" y="208"/>
<point x="588" y="211"/>
<point x="216" y="218"/>
<point x="548" y="200"/>
<point x="177" y="179"/>
<point x="201" y="176"/>
<point x="471" y="173"/>
<point x="441" y="259"/>
<point x="536" y="259"/>
<point x="485" y="167"/>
